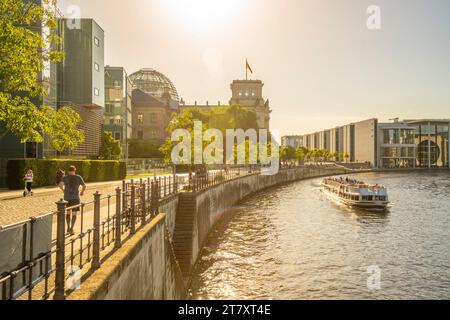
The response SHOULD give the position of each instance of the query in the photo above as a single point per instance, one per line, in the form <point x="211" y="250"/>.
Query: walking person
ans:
<point x="70" y="185"/>
<point x="28" y="183"/>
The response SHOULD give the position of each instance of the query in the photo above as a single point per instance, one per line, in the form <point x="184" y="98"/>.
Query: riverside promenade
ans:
<point x="15" y="208"/>
<point x="123" y="248"/>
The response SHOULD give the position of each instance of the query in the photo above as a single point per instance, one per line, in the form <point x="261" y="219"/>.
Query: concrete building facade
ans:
<point x="82" y="79"/>
<point x="399" y="144"/>
<point x="292" y="141"/>
<point x="118" y="106"/>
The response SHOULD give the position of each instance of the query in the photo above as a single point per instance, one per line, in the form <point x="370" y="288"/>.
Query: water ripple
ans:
<point x="293" y="243"/>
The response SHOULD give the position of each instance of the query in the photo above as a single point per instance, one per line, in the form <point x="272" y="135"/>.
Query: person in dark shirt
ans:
<point x="70" y="185"/>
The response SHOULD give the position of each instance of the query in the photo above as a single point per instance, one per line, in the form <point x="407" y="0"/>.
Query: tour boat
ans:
<point x="358" y="194"/>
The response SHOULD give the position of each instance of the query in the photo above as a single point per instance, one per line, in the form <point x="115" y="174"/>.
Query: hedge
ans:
<point x="45" y="171"/>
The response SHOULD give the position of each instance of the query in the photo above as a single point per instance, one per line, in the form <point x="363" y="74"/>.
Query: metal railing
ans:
<point x="209" y="179"/>
<point x="101" y="227"/>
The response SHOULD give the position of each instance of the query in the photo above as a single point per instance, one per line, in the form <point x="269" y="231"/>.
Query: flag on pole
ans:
<point x="248" y="66"/>
<point x="247" y="69"/>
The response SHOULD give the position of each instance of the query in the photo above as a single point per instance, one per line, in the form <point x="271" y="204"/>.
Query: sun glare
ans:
<point x="204" y="15"/>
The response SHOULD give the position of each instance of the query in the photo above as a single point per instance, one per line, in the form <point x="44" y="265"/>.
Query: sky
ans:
<point x="320" y="63"/>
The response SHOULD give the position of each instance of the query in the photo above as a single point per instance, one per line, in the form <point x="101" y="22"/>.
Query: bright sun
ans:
<point x="204" y="15"/>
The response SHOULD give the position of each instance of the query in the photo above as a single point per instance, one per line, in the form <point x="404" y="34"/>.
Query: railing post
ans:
<point x="143" y="205"/>
<point x="118" y="242"/>
<point x="124" y="195"/>
<point x="157" y="196"/>
<point x="149" y="197"/>
<point x="133" y="209"/>
<point x="159" y="188"/>
<point x="152" y="199"/>
<point x="96" y="235"/>
<point x="60" y="273"/>
<point x="165" y="186"/>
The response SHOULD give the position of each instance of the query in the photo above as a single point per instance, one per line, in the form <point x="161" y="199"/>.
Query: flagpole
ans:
<point x="246" y="71"/>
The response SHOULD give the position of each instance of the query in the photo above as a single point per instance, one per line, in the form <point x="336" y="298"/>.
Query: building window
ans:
<point x="117" y="136"/>
<point x="153" y="118"/>
<point x="96" y="66"/>
<point x="96" y="41"/>
<point x="140" y="118"/>
<point x="96" y="92"/>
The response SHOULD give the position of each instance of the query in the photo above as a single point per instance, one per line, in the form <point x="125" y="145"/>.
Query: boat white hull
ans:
<point x="366" y="205"/>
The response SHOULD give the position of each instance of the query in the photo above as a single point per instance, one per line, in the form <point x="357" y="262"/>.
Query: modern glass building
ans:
<point x="81" y="78"/>
<point x="431" y="137"/>
<point x="155" y="84"/>
<point x="118" y="113"/>
<point x="397" y="148"/>
<point x="422" y="143"/>
<point x="292" y="141"/>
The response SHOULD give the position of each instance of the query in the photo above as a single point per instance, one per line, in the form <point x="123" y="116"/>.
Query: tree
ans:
<point x="221" y="118"/>
<point x="301" y="154"/>
<point x="110" y="148"/>
<point x="288" y="153"/>
<point x="25" y="49"/>
<point x="144" y="149"/>
<point x="185" y="120"/>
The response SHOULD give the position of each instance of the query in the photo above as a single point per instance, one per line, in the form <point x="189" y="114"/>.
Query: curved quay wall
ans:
<point x="156" y="263"/>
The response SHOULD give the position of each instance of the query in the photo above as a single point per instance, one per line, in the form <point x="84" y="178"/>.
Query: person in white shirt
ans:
<point x="28" y="182"/>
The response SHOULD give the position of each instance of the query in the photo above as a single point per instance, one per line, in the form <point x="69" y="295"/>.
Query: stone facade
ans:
<point x="247" y="93"/>
<point x="151" y="116"/>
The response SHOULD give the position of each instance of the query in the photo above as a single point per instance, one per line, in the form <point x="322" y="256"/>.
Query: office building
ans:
<point x="118" y="108"/>
<point x="82" y="79"/>
<point x="422" y="143"/>
<point x="292" y="141"/>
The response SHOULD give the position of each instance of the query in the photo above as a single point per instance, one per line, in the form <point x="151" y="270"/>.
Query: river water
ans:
<point x="292" y="242"/>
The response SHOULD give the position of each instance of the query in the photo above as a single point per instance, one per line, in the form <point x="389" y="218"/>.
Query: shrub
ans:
<point x="45" y="171"/>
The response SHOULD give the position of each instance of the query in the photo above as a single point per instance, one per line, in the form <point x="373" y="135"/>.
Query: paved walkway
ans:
<point x="15" y="208"/>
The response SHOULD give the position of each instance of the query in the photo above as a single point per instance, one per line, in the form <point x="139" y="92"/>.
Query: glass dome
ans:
<point x="154" y="83"/>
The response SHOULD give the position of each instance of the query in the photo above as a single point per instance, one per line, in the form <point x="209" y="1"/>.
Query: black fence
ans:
<point x="55" y="264"/>
<point x="101" y="226"/>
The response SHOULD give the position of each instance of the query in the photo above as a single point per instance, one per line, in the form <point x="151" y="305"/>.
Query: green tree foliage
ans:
<point x="288" y="153"/>
<point x="25" y="49"/>
<point x="110" y="148"/>
<point x="143" y="149"/>
<point x="185" y="120"/>
<point x="232" y="117"/>
<point x="221" y="118"/>
<point x="317" y="155"/>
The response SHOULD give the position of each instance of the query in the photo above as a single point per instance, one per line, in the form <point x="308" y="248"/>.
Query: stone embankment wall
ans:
<point x="156" y="263"/>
